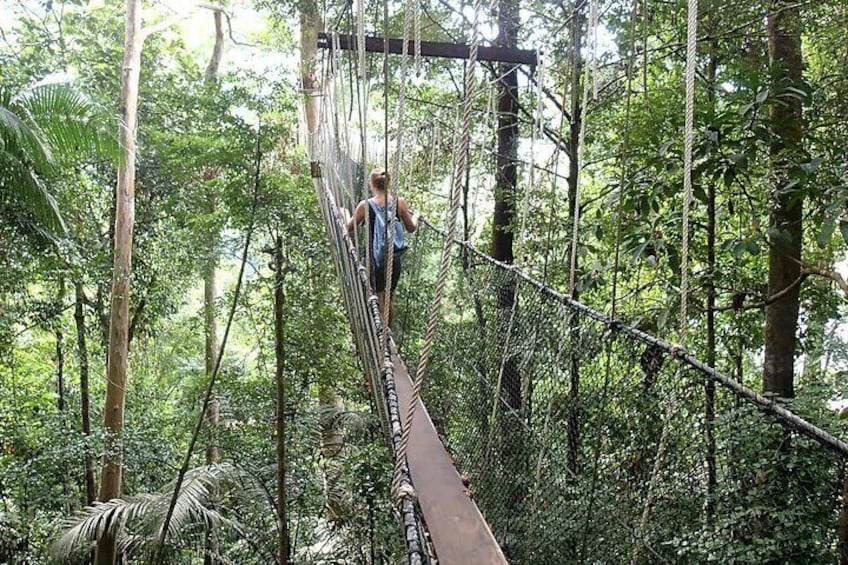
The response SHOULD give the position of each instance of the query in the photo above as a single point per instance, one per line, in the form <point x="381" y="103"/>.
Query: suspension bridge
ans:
<point x="552" y="432"/>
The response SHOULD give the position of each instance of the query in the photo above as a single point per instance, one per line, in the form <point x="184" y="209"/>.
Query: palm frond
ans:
<point x="41" y="128"/>
<point x="85" y="526"/>
<point x="137" y="521"/>
<point x="24" y="140"/>
<point x="69" y="121"/>
<point x="353" y="423"/>
<point x="20" y="184"/>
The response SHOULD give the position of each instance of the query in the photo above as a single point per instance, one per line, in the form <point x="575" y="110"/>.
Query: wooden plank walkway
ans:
<point x="459" y="532"/>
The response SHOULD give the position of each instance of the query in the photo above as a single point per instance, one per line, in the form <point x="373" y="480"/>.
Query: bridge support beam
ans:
<point x="347" y="42"/>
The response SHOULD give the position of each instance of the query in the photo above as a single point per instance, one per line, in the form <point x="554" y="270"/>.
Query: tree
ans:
<point x="119" y="323"/>
<point x="210" y="267"/>
<point x="785" y="219"/>
<point x="506" y="182"/>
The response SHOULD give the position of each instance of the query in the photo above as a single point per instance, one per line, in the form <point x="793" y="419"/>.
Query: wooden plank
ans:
<point x="457" y="529"/>
<point x="431" y="49"/>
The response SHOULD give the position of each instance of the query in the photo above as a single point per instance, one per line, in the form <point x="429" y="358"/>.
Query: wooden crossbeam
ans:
<point x="431" y="49"/>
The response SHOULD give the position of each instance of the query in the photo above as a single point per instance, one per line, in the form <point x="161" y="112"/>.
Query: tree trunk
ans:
<point x="709" y="385"/>
<point x="211" y="74"/>
<point x="60" y="368"/>
<point x="843" y="523"/>
<point x="784" y="42"/>
<point x="506" y="180"/>
<point x="310" y="25"/>
<point x="511" y="448"/>
<point x="61" y="404"/>
<point x="210" y="267"/>
<point x="506" y="173"/>
<point x="82" y="349"/>
<point x="116" y="375"/>
<point x="210" y="326"/>
<point x="283" y="550"/>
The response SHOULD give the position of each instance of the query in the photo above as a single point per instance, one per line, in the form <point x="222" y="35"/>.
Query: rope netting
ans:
<point x="364" y="317"/>
<point x="336" y="177"/>
<point x="563" y="468"/>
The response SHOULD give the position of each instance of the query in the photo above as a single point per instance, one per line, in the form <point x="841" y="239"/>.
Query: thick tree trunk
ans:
<point x="283" y="549"/>
<point x="506" y="180"/>
<point x="506" y="174"/>
<point x="512" y="442"/>
<point x="211" y="74"/>
<point x="310" y="25"/>
<point x="116" y="375"/>
<point x="85" y="404"/>
<point x="784" y="41"/>
<point x="210" y="286"/>
<point x="210" y="326"/>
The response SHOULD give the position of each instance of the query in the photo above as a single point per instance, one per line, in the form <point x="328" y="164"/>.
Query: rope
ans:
<point x="391" y="224"/>
<point x="689" y="127"/>
<point x="691" y="67"/>
<point x="417" y="25"/>
<point x="762" y="403"/>
<point x="593" y="25"/>
<point x="441" y="279"/>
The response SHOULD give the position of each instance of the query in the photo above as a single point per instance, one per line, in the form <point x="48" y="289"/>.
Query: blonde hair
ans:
<point x="379" y="180"/>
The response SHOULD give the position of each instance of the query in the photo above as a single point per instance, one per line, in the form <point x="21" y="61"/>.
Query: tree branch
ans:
<point x="832" y="275"/>
<point x="740" y="306"/>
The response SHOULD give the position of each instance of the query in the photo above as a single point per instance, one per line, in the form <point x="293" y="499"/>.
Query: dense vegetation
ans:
<point x="220" y="170"/>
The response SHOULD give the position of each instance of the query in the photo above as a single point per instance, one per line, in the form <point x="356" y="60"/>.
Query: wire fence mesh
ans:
<point x="585" y="443"/>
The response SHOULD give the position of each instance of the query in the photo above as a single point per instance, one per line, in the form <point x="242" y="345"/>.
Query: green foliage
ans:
<point x="43" y="128"/>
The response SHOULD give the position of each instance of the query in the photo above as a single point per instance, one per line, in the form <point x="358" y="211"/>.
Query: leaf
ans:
<point x="762" y="95"/>
<point x="812" y="166"/>
<point x="662" y="319"/>
<point x="843" y="229"/>
<point x="826" y="233"/>
<point x="639" y="250"/>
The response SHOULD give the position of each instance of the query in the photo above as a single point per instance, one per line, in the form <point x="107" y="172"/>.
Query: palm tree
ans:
<point x="136" y="522"/>
<point x="42" y="128"/>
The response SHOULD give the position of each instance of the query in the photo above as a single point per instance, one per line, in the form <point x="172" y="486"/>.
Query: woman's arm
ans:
<point x="358" y="216"/>
<point x="410" y="220"/>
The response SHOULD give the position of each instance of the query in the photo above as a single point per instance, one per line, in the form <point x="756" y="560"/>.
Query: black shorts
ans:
<point x="378" y="276"/>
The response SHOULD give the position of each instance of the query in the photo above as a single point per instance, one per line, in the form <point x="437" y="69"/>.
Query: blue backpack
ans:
<point x="378" y="234"/>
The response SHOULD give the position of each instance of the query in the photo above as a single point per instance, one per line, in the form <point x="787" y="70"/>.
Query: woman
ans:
<point x="375" y="207"/>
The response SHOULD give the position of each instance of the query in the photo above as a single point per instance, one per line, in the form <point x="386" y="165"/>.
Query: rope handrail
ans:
<point x="348" y="261"/>
<point x="763" y="403"/>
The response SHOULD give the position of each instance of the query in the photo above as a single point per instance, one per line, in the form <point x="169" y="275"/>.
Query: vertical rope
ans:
<point x="360" y="36"/>
<point x="689" y="133"/>
<point x="593" y="25"/>
<point x="392" y="200"/>
<point x="689" y="127"/>
<point x="444" y="264"/>
<point x="417" y="26"/>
